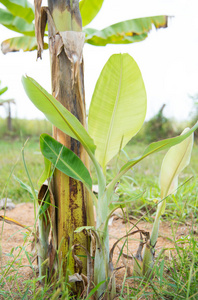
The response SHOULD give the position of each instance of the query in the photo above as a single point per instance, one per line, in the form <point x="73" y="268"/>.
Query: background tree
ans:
<point x="7" y="103"/>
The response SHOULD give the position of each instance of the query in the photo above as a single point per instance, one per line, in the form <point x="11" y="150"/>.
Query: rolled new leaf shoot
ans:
<point x="65" y="160"/>
<point x="174" y="162"/>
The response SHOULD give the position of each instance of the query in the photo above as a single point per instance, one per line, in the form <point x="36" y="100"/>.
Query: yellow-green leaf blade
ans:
<point x="89" y="9"/>
<point x="118" y="106"/>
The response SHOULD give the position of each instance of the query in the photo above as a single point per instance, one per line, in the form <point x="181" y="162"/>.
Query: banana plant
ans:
<point x="61" y="21"/>
<point x="116" y="114"/>
<point x="19" y="16"/>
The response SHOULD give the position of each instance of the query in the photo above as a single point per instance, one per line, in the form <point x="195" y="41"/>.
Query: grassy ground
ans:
<point x="11" y="144"/>
<point x="143" y="178"/>
<point x="176" y="278"/>
<point x="12" y="166"/>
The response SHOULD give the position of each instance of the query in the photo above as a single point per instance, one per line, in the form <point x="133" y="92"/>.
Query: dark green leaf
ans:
<point x="64" y="159"/>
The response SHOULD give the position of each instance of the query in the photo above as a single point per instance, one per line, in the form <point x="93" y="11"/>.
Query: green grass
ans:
<point x="11" y="164"/>
<point x="11" y="144"/>
<point x="143" y="178"/>
<point x="23" y="129"/>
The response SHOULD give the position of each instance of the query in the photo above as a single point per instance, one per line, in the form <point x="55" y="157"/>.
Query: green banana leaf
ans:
<point x="118" y="106"/>
<point x="152" y="148"/>
<point x="125" y="32"/>
<point x="57" y="114"/>
<point x="64" y="159"/>
<point x="3" y="90"/>
<point x="27" y="43"/>
<point x="16" y="23"/>
<point x="20" y="8"/>
<point x="89" y="9"/>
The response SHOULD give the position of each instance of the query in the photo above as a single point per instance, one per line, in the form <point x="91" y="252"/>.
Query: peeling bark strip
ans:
<point x="40" y="23"/>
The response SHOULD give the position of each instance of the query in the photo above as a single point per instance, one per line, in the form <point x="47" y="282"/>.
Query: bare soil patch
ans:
<point x="12" y="236"/>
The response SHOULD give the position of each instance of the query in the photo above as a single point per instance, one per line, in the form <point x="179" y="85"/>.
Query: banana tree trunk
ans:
<point x="74" y="208"/>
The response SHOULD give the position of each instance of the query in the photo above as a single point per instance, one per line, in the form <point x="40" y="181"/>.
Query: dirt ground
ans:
<point x="13" y="236"/>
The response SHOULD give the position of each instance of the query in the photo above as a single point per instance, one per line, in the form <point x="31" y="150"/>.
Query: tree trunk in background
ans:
<point x="74" y="209"/>
<point x="9" y="119"/>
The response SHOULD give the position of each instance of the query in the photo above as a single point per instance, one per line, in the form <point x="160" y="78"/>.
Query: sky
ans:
<point x="168" y="58"/>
